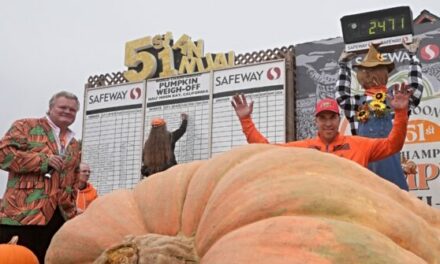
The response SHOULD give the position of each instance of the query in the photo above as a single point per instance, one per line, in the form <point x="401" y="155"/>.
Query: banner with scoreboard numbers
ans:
<point x="317" y="73"/>
<point x="117" y="118"/>
<point x="168" y="98"/>
<point x="112" y="135"/>
<point x="262" y="83"/>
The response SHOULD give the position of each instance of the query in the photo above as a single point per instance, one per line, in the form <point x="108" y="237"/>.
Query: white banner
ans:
<point x="168" y="98"/>
<point x="262" y="83"/>
<point x="112" y="135"/>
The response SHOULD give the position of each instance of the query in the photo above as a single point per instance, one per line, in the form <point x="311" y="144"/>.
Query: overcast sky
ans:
<point x="52" y="45"/>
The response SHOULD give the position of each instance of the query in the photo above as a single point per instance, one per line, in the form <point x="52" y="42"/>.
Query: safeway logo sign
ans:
<point x="135" y="93"/>
<point x="430" y="52"/>
<point x="273" y="73"/>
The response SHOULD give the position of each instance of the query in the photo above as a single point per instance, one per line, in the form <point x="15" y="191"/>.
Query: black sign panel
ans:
<point x="377" y="24"/>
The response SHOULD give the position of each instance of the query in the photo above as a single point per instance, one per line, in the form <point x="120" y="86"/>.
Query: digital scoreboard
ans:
<point x="390" y="27"/>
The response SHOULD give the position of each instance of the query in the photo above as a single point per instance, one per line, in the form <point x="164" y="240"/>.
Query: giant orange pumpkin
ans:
<point x="255" y="204"/>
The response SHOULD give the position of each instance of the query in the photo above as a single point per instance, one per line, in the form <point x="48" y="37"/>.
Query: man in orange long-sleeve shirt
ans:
<point x="359" y="149"/>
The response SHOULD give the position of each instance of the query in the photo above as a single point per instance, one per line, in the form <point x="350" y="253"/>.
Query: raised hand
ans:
<point x="401" y="95"/>
<point x="241" y="106"/>
<point x="346" y="56"/>
<point x="412" y="47"/>
<point x="184" y="116"/>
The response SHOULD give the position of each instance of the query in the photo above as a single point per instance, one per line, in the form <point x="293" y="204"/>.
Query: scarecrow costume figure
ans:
<point x="369" y="114"/>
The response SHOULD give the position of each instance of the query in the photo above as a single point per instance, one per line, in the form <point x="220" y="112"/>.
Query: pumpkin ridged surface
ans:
<point x="107" y="221"/>
<point x="213" y="201"/>
<point x="205" y="180"/>
<point x="239" y="200"/>
<point x="161" y="199"/>
<point x="299" y="239"/>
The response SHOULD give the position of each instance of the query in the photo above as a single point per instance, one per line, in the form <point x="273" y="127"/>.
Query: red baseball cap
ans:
<point x="327" y="104"/>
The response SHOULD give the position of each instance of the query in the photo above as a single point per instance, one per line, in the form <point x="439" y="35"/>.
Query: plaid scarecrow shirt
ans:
<point x="350" y="104"/>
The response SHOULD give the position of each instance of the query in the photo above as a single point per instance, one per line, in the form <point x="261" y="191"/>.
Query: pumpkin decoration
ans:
<point x="255" y="204"/>
<point x="11" y="253"/>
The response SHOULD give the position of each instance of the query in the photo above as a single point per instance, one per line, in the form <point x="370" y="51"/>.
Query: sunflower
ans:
<point x="378" y="108"/>
<point x="363" y="114"/>
<point x="380" y="96"/>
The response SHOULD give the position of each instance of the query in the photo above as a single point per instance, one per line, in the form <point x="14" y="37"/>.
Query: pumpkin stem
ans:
<point x="14" y="240"/>
<point x="151" y="248"/>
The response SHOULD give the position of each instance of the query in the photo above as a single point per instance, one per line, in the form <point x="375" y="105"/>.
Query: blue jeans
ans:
<point x="389" y="168"/>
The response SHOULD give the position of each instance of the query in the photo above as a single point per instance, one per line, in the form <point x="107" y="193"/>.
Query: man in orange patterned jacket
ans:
<point x="41" y="155"/>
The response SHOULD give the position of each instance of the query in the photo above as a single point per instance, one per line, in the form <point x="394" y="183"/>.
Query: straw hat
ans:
<point x="373" y="59"/>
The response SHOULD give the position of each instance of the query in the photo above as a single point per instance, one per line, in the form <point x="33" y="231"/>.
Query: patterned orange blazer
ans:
<point x="30" y="197"/>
